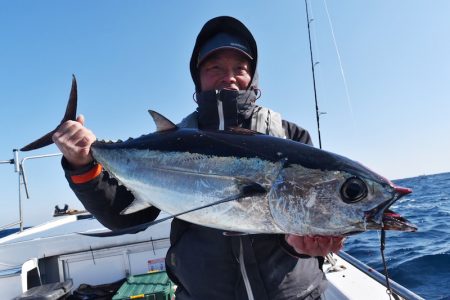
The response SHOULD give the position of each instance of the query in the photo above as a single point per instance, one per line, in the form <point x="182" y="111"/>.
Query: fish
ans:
<point x="238" y="180"/>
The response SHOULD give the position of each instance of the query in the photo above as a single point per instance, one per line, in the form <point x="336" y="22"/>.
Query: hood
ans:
<point x="228" y="25"/>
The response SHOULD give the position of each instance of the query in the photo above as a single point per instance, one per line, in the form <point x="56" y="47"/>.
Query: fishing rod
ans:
<point x="308" y="21"/>
<point x="389" y="290"/>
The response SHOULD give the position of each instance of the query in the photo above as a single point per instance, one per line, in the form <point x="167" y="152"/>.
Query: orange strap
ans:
<point x="88" y="176"/>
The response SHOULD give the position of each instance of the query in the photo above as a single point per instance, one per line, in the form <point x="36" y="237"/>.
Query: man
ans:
<point x="204" y="262"/>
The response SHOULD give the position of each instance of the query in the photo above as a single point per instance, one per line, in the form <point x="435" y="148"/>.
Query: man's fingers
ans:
<point x="325" y="242"/>
<point x="68" y="127"/>
<point x="74" y="141"/>
<point x="72" y="132"/>
<point x="338" y="244"/>
<point x="315" y="245"/>
<point x="80" y="119"/>
<point x="81" y="138"/>
<point x="65" y="132"/>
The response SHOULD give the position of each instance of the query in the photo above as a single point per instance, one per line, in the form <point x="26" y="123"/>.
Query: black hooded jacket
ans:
<point x="203" y="262"/>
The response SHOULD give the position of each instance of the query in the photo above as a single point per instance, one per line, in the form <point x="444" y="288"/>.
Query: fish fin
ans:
<point x="243" y="131"/>
<point x="246" y="186"/>
<point x="70" y="114"/>
<point x="234" y="233"/>
<point x="247" y="190"/>
<point x="162" y="123"/>
<point x="135" y="206"/>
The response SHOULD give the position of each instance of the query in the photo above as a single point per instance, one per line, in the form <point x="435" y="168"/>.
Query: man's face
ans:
<point x="225" y="69"/>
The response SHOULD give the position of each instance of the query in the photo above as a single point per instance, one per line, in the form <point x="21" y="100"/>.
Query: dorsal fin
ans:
<point x="162" y="123"/>
<point x="240" y="130"/>
<point x="70" y="114"/>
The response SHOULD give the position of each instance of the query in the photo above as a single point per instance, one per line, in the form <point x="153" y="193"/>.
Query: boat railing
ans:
<point x="19" y="167"/>
<point x="397" y="289"/>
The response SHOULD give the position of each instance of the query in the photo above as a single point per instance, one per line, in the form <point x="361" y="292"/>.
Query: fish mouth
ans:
<point x="381" y="217"/>
<point x="394" y="221"/>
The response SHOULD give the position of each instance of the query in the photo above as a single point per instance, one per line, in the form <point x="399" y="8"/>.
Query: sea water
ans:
<point x="418" y="260"/>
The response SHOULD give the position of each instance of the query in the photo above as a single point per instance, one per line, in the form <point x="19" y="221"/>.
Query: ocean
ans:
<point x="418" y="260"/>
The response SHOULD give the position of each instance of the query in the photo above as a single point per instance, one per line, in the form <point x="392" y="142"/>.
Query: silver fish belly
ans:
<point x="177" y="182"/>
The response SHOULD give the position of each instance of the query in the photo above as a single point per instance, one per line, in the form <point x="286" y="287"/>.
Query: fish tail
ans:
<point x="70" y="114"/>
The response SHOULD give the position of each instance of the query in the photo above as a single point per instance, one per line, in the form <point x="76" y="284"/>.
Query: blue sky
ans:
<point x="130" y="56"/>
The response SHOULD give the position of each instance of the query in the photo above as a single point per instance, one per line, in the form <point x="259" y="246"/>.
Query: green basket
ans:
<point x="152" y="286"/>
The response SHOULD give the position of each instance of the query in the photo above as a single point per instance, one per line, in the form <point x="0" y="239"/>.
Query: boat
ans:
<point x="55" y="258"/>
<point x="55" y="252"/>
<point x="61" y="254"/>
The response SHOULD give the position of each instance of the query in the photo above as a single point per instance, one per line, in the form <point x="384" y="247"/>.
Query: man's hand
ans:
<point x="315" y="245"/>
<point x="74" y="140"/>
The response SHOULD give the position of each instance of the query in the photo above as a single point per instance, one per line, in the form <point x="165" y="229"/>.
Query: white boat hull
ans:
<point x="64" y="254"/>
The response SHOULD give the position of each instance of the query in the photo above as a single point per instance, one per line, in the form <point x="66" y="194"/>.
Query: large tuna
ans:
<point x="239" y="180"/>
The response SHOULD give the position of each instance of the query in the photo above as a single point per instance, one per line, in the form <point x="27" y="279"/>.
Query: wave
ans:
<point x="419" y="260"/>
<point x="426" y="275"/>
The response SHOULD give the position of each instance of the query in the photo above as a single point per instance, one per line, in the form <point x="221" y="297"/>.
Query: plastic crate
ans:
<point x="152" y="286"/>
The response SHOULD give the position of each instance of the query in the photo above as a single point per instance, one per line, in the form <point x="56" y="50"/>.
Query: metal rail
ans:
<point x="395" y="287"/>
<point x="19" y="168"/>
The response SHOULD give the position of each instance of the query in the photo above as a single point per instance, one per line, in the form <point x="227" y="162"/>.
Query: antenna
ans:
<point x="313" y="74"/>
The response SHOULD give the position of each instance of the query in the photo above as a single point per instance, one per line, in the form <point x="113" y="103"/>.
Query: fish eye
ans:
<point x="353" y="190"/>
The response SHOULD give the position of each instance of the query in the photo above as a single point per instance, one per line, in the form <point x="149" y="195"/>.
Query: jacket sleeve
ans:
<point x="104" y="197"/>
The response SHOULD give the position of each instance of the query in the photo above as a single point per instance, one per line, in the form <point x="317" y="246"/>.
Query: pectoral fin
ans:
<point x="247" y="190"/>
<point x="135" y="206"/>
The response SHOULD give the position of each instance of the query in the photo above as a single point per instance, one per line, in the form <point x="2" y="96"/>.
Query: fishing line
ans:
<point x="340" y="63"/>
<point x="382" y="247"/>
